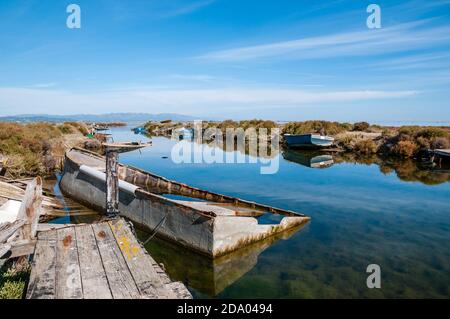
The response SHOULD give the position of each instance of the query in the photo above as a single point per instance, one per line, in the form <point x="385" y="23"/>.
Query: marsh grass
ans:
<point x="13" y="281"/>
<point x="322" y="127"/>
<point x="29" y="148"/>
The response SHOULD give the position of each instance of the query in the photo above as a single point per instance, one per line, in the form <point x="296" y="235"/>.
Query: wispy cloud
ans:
<point x="398" y="38"/>
<point x="427" y="61"/>
<point x="162" y="100"/>
<point x="187" y="8"/>
<point x="192" y="77"/>
<point x="139" y="9"/>
<point x="43" y="85"/>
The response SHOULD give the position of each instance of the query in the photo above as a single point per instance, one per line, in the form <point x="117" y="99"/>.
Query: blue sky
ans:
<point x="282" y="59"/>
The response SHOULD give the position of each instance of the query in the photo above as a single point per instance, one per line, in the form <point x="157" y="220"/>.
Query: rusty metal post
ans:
<point x="112" y="183"/>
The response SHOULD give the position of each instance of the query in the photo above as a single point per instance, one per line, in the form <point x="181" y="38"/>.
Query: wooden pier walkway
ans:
<point x="97" y="261"/>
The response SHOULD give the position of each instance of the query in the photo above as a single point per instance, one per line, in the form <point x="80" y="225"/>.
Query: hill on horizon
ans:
<point x="110" y="117"/>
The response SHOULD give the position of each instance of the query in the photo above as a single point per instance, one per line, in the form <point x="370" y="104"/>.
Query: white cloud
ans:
<point x="398" y="38"/>
<point x="195" y="101"/>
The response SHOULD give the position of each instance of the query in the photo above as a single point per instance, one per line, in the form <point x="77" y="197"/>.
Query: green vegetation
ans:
<point x="79" y="126"/>
<point x="30" y="149"/>
<point x="361" y="126"/>
<point x="366" y="146"/>
<point x="256" y="124"/>
<point x="408" y="141"/>
<point x="322" y="127"/>
<point x="13" y="281"/>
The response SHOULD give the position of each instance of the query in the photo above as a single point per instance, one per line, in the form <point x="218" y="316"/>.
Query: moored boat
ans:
<point x="307" y="140"/>
<point x="210" y="223"/>
<point x="139" y="130"/>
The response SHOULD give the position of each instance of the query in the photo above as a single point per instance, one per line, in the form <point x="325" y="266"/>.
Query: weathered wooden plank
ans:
<point x="47" y="227"/>
<point x="42" y="283"/>
<point x="9" y="229"/>
<point x="31" y="208"/>
<point x="93" y="276"/>
<point x="4" y="249"/>
<point x="20" y="248"/>
<point x="119" y="277"/>
<point x="68" y="276"/>
<point x="141" y="268"/>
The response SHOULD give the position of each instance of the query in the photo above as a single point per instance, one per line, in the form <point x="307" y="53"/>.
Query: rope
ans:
<point x="155" y="230"/>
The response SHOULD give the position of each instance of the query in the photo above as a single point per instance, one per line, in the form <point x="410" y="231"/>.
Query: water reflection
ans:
<point x="308" y="158"/>
<point x="361" y="212"/>
<point x="407" y="170"/>
<point x="205" y="276"/>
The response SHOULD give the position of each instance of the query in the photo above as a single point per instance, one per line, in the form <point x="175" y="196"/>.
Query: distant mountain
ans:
<point x="111" y="117"/>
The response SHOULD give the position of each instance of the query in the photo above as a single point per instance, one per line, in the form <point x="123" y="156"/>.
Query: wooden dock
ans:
<point x="97" y="261"/>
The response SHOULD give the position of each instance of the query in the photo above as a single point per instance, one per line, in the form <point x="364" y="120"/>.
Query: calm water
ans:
<point x="393" y="214"/>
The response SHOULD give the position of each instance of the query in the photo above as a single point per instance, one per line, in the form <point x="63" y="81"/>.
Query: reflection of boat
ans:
<point x="307" y="140"/>
<point x="205" y="275"/>
<point x="216" y="225"/>
<point x="308" y="158"/>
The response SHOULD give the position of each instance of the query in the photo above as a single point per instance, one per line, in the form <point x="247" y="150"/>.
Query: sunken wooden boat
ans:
<point x="307" y="141"/>
<point x="207" y="222"/>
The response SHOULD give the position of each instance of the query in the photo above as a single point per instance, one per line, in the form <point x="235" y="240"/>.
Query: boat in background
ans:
<point x="307" y="141"/>
<point x="139" y="130"/>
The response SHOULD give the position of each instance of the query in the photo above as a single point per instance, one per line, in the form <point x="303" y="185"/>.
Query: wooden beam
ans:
<point x="112" y="184"/>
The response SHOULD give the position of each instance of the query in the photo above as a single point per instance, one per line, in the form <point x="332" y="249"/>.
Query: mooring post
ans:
<point x="112" y="183"/>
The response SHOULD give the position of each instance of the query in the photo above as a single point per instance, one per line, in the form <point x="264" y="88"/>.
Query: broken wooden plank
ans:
<point x="121" y="282"/>
<point x="31" y="208"/>
<point x="42" y="283"/>
<point x="19" y="248"/>
<point x="68" y="274"/>
<point x="93" y="276"/>
<point x="145" y="277"/>
<point x="8" y="230"/>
